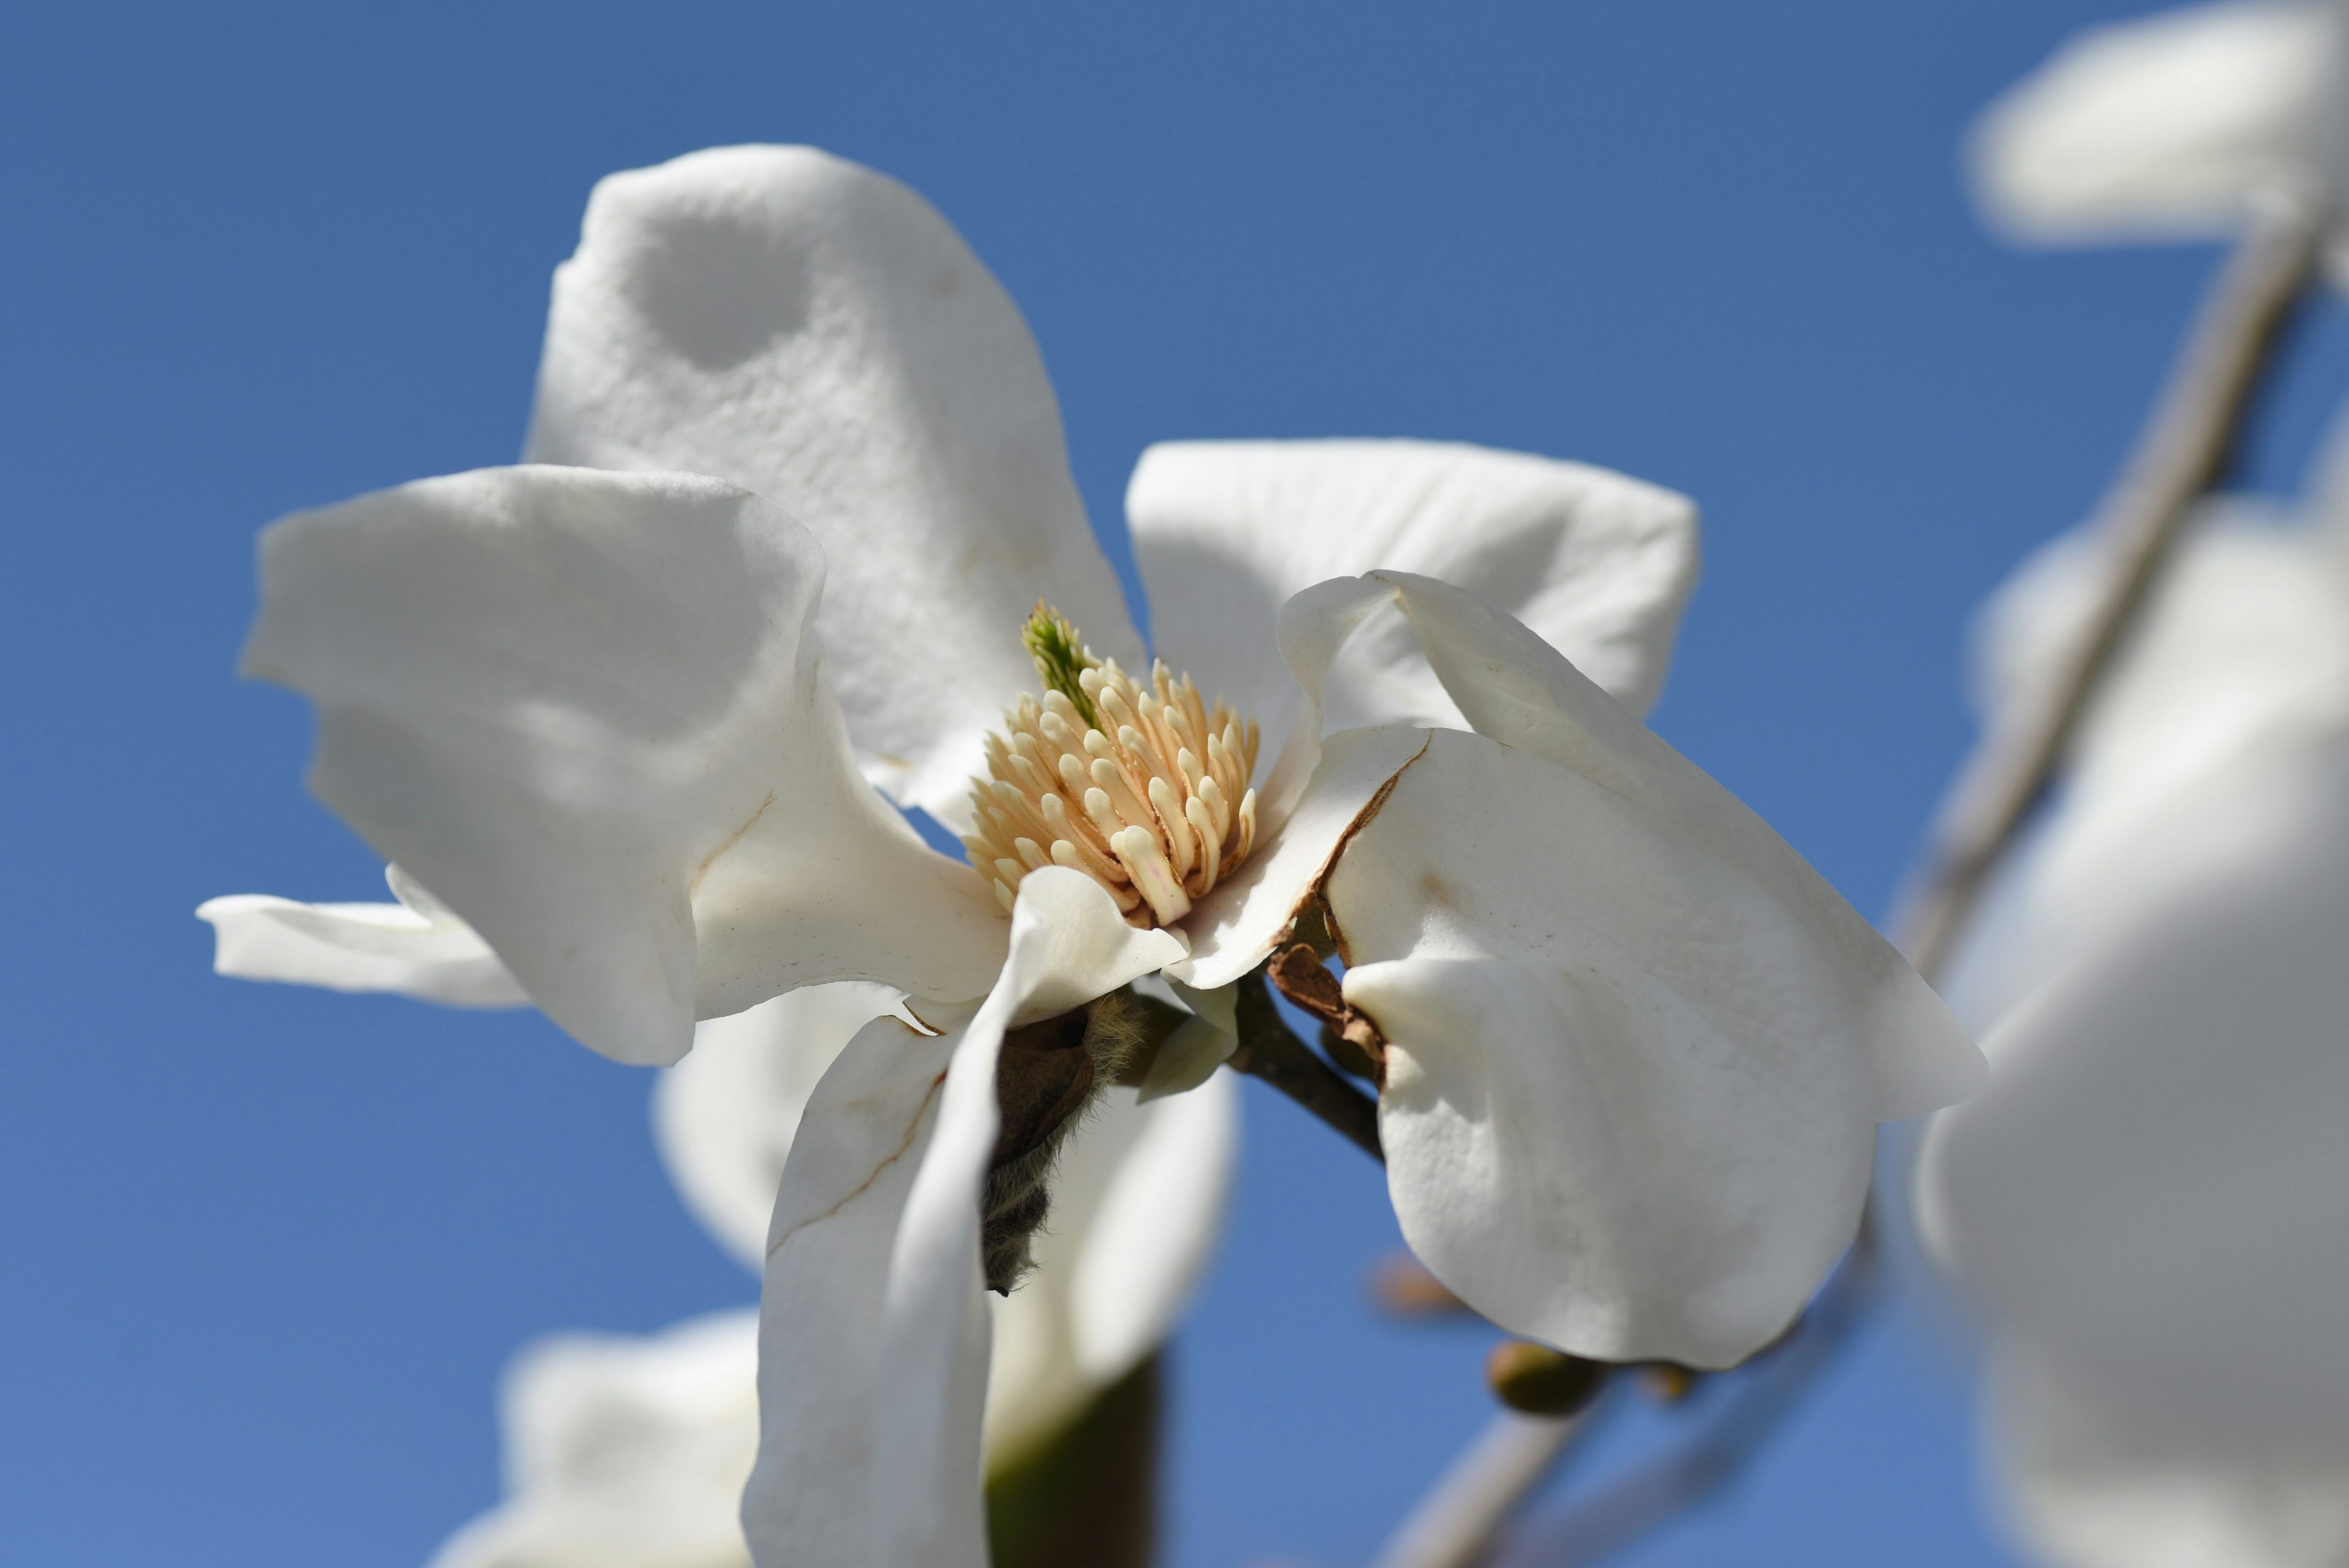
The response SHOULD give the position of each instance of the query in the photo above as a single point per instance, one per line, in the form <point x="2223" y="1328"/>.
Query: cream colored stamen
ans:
<point x="1127" y="800"/>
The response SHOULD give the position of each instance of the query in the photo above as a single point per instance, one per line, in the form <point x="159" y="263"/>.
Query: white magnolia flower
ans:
<point x="2170" y="126"/>
<point x="2146" y="1197"/>
<point x="1635" y="1047"/>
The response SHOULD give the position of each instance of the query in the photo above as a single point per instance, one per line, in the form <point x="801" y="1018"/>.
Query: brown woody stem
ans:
<point x="1269" y="1051"/>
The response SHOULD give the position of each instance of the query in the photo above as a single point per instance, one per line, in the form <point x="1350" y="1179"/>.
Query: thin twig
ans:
<point x="1459" y="1516"/>
<point x="2182" y="451"/>
<point x="1671" y="1485"/>
<point x="1269" y="1051"/>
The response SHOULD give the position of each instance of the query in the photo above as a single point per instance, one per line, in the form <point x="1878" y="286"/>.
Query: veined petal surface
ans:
<point x="418" y="947"/>
<point x="1225" y="532"/>
<point x="1515" y="689"/>
<point x="816" y="332"/>
<point x="623" y="1452"/>
<point x="873" y="1337"/>
<point x="586" y="709"/>
<point x="2164" y="126"/>
<point x="1627" y="1108"/>
<point x="724" y="1117"/>
<point x="1559" y="922"/>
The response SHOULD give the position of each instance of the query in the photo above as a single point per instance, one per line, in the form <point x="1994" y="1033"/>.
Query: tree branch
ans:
<point x="1694" y="1471"/>
<point x="1269" y="1051"/>
<point x="2184" y="449"/>
<point x="1458" y="1518"/>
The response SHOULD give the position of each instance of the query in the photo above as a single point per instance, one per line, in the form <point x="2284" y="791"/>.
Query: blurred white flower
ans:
<point x="1635" y="1046"/>
<point x="2147" y="1197"/>
<point x="624" y="1451"/>
<point x="2169" y="126"/>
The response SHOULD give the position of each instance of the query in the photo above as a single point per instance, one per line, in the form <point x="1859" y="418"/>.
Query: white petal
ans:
<point x="357" y="947"/>
<point x="586" y="710"/>
<point x="1237" y="924"/>
<point x="819" y="1479"/>
<point x="2239" y="662"/>
<point x="2163" y="126"/>
<point x="623" y="1452"/>
<point x="1138" y="1200"/>
<point x="1099" y="1298"/>
<point x="1225" y="532"/>
<point x="873" y="1337"/>
<point x="725" y="1116"/>
<point x="1151" y="1236"/>
<point x="1627" y="1108"/>
<point x="2151" y="1185"/>
<point x="816" y="332"/>
<point x="1517" y="689"/>
<point x="2092" y="1478"/>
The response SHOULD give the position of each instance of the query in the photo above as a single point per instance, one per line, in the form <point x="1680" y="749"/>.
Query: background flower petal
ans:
<point x="586" y="710"/>
<point x="2237" y="664"/>
<point x="2162" y="126"/>
<point x="816" y="332"/>
<point x="1225" y="532"/>
<point x="624" y="1451"/>
<point x="2151" y="1185"/>
<point x="2092" y="1479"/>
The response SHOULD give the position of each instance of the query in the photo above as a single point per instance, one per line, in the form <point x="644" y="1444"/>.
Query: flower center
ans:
<point x="1142" y="789"/>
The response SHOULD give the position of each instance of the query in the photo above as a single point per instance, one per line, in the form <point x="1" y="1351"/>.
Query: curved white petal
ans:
<point x="1515" y="689"/>
<point x="2092" y="1478"/>
<point x="874" y="1340"/>
<point x="816" y="332"/>
<point x="1627" y="1108"/>
<point x="2239" y="662"/>
<point x="2151" y="1185"/>
<point x="724" y="1117"/>
<point x="623" y="1452"/>
<point x="1225" y="532"/>
<point x="1137" y="1197"/>
<point x="418" y="947"/>
<point x="586" y="709"/>
<point x="2163" y="126"/>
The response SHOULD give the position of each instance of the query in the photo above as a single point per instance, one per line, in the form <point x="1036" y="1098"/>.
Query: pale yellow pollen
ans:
<point x="1142" y="802"/>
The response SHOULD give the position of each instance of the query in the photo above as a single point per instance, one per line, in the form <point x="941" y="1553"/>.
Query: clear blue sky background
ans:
<point x="264" y="1251"/>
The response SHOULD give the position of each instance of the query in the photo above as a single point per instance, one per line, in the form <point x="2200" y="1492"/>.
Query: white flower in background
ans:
<point x="2148" y="1197"/>
<point x="2241" y="664"/>
<point x="2170" y="126"/>
<point x="1634" y="1046"/>
<point x="624" y="1451"/>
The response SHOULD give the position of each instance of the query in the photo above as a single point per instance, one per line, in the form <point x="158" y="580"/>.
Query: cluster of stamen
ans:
<point x="1142" y="789"/>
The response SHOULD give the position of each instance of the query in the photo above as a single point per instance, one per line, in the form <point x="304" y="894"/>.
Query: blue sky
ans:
<point x="262" y="1251"/>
